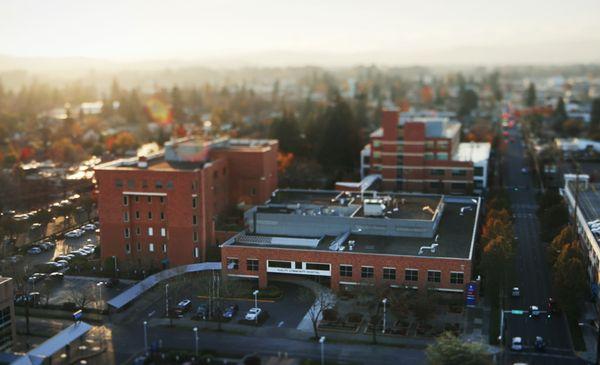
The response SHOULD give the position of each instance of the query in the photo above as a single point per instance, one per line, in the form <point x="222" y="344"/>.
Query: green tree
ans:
<point x="286" y="129"/>
<point x="531" y="97"/>
<point x="496" y="265"/>
<point x="559" y="114"/>
<point x="451" y="350"/>
<point x="552" y="220"/>
<point x="468" y="101"/>
<point x="570" y="280"/>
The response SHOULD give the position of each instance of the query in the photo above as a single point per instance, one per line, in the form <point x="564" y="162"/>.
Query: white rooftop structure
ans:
<point x="473" y="151"/>
<point x="576" y="144"/>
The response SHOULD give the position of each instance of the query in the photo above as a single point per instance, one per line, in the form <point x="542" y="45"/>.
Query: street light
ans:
<point x="196" y="338"/>
<point x="99" y="286"/>
<point x="146" y="336"/>
<point x="167" y="299"/>
<point x="115" y="261"/>
<point x="322" y="342"/>
<point x="384" y="301"/>
<point x="255" y="298"/>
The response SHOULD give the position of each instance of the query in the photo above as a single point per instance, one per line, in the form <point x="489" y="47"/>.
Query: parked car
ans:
<point x="89" y="227"/>
<point x="35" y="226"/>
<point x="76" y="233"/>
<point x="63" y="263"/>
<point x="112" y="282"/>
<point x="540" y="345"/>
<point x="516" y="344"/>
<point x="534" y="311"/>
<point x="56" y="276"/>
<point x="201" y="312"/>
<point x="34" y="251"/>
<point x="230" y="311"/>
<point x="36" y="277"/>
<point x="62" y="257"/>
<point x="183" y="306"/>
<point x="253" y="314"/>
<point x="516" y="292"/>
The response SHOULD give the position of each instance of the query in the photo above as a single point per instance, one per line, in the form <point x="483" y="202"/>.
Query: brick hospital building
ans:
<point x="161" y="209"/>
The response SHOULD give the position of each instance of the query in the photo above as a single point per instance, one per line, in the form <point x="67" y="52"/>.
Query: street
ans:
<point x="531" y="270"/>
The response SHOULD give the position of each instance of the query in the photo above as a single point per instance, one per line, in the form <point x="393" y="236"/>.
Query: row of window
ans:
<point x="151" y="247"/>
<point x="138" y="232"/>
<point x="136" y="198"/>
<point x="158" y="184"/>
<point x="453" y="186"/>
<point x="366" y="272"/>
<point x="442" y="172"/>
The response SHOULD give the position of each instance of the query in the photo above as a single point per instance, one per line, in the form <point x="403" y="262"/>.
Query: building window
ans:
<point x="478" y="171"/>
<point x="161" y="199"/>
<point x="252" y="265"/>
<point x="150" y="231"/>
<point x="366" y="272"/>
<point x="126" y="233"/>
<point x="346" y="271"/>
<point x="376" y="143"/>
<point x="434" y="276"/>
<point x="162" y="216"/>
<point x="131" y="184"/>
<point x="137" y="214"/>
<point x="158" y="184"/>
<point x="194" y="220"/>
<point x="457" y="277"/>
<point x="125" y="200"/>
<point x="315" y="266"/>
<point x="144" y="183"/>
<point x="233" y="263"/>
<point x="125" y="216"/>
<point x="435" y="184"/>
<point x="164" y="247"/>
<point x="149" y="199"/>
<point x="195" y="236"/>
<point x="196" y="252"/>
<point x="458" y="186"/>
<point x="194" y="202"/>
<point x="253" y="191"/>
<point x="138" y="231"/>
<point x="127" y="248"/>
<point x="194" y="185"/>
<point x="169" y="185"/>
<point x="119" y="183"/>
<point x="139" y="246"/>
<point x="429" y="145"/>
<point x="411" y="275"/>
<point x="136" y="198"/>
<point x="428" y="156"/>
<point x="149" y="215"/>
<point x="437" y="172"/>
<point x="279" y="264"/>
<point x="389" y="273"/>
<point x="163" y="232"/>
<point x="442" y="145"/>
<point x="459" y="172"/>
<point x="151" y="247"/>
<point x="442" y="156"/>
<point x="376" y="154"/>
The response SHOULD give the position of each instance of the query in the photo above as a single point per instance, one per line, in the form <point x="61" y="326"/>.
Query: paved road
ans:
<point x="531" y="269"/>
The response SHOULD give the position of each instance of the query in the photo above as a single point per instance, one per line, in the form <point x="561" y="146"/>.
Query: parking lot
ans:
<point x="287" y="311"/>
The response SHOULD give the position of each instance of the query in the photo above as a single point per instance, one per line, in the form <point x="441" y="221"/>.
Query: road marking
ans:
<point x="151" y="313"/>
<point x="280" y="324"/>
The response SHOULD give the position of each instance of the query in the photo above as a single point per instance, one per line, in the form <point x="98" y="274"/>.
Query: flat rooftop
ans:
<point x="589" y="201"/>
<point x="454" y="237"/>
<point x="350" y="204"/>
<point x="473" y="151"/>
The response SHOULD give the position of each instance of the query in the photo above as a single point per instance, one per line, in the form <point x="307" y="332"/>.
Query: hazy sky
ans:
<point x="134" y="30"/>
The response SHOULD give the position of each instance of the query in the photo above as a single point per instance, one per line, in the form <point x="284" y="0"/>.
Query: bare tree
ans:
<point x="81" y="296"/>
<point x="371" y="295"/>
<point x="323" y="299"/>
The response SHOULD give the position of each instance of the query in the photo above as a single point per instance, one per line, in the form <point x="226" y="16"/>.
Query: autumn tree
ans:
<point x="122" y="143"/>
<point x="565" y="237"/>
<point x="64" y="150"/>
<point x="570" y="279"/>
<point x="496" y="264"/>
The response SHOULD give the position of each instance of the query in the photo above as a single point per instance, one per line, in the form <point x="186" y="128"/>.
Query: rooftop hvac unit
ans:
<point x="373" y="207"/>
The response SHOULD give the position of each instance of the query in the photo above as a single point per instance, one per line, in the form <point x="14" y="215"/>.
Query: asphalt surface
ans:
<point x="531" y="272"/>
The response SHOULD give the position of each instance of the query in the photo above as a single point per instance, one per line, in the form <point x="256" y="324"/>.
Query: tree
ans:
<point x="468" y="101"/>
<point x="63" y="150"/>
<point x="552" y="220"/>
<point x="559" y="114"/>
<point x="451" y="350"/>
<point x="423" y="306"/>
<point x="80" y="296"/>
<point x="87" y="203"/>
<point x="122" y="143"/>
<point x="565" y="237"/>
<point x="531" y="97"/>
<point x="496" y="263"/>
<point x="287" y="130"/>
<point x="322" y="300"/>
<point x="570" y="280"/>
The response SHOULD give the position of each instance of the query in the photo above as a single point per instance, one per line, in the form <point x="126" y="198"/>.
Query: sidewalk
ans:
<point x="589" y="333"/>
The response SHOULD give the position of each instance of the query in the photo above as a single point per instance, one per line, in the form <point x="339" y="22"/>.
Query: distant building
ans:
<point x="8" y="331"/>
<point x="161" y="209"/>
<point x="344" y="239"/>
<point x="421" y="151"/>
<point x="576" y="145"/>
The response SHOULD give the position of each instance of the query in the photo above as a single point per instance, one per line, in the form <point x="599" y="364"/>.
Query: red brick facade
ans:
<point x="165" y="216"/>
<point x="409" y="160"/>
<point x="357" y="260"/>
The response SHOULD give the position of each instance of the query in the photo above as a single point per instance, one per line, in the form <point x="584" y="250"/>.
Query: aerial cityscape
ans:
<point x="311" y="183"/>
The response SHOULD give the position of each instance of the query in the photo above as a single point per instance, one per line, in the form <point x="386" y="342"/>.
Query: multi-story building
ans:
<point x="8" y="327"/>
<point x="160" y="210"/>
<point x="422" y="152"/>
<point x="345" y="239"/>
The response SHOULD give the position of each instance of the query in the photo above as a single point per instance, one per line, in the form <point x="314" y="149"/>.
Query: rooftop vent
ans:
<point x="374" y="207"/>
<point x="142" y="162"/>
